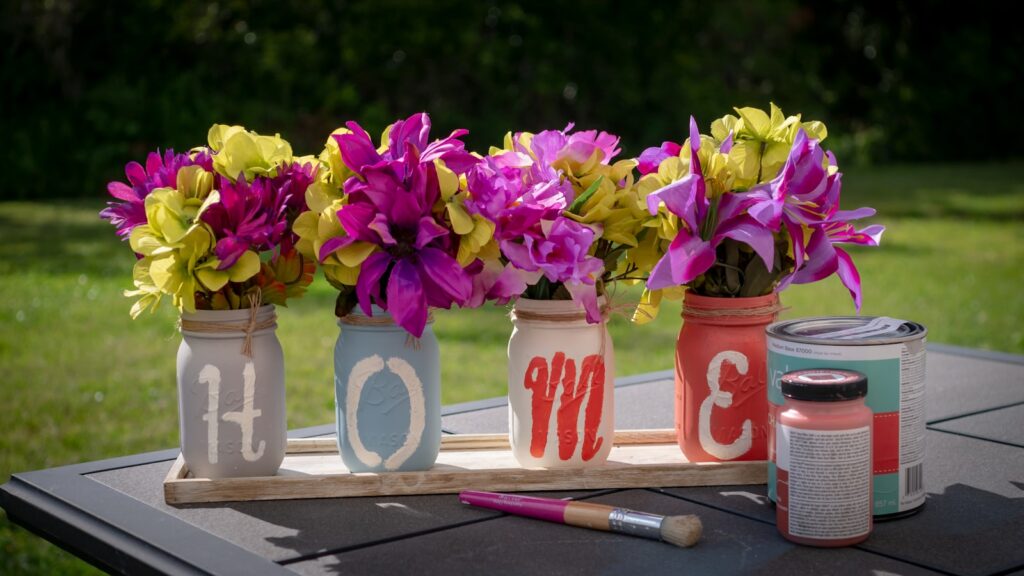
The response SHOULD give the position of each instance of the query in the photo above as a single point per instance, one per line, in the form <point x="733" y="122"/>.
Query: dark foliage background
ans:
<point x="89" y="85"/>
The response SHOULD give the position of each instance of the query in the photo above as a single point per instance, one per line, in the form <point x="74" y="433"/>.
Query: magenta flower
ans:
<point x="524" y="192"/>
<point x="651" y="158"/>
<point x="693" y="250"/>
<point x="560" y="252"/>
<point x="290" y="185"/>
<point x="501" y="194"/>
<point x="390" y="204"/>
<point x="248" y="216"/>
<point x="823" y="258"/>
<point x="409" y="136"/>
<point x="258" y="216"/>
<point x="159" y="172"/>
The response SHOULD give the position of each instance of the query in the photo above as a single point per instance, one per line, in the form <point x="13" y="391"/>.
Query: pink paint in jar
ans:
<point x="823" y="454"/>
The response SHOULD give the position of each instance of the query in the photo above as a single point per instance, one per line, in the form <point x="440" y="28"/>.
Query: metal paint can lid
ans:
<point x="824" y="385"/>
<point x="847" y="330"/>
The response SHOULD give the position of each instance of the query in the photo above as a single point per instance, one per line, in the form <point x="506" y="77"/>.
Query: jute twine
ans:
<point x="567" y="317"/>
<point x="698" y="312"/>
<point x="360" y="320"/>
<point x="248" y="328"/>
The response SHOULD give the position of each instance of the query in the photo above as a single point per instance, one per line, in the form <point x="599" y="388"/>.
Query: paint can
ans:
<point x="891" y="353"/>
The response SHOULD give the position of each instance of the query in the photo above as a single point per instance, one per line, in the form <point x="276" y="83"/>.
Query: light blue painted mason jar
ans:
<point x="387" y="388"/>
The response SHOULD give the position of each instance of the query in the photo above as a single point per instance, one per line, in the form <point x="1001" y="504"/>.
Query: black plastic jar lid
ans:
<point x="824" y="385"/>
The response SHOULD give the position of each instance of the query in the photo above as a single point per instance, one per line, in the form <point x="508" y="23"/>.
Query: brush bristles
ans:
<point x="683" y="531"/>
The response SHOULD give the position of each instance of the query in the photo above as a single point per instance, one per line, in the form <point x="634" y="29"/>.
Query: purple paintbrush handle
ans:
<point x="532" y="506"/>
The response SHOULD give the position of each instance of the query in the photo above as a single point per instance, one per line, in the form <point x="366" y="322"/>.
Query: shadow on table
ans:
<point x="963" y="530"/>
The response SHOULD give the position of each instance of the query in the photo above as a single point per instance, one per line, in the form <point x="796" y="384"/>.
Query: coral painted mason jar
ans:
<point x="721" y="399"/>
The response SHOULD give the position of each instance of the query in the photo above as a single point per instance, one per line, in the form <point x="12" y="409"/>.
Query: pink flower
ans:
<point x="560" y="252"/>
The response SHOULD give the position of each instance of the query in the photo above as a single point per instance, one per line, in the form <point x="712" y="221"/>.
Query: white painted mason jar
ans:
<point x="561" y="393"/>
<point x="231" y="405"/>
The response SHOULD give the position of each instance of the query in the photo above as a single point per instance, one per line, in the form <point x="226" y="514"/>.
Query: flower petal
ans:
<point x="406" y="300"/>
<point x="688" y="257"/>
<point x="821" y="260"/>
<point x="446" y="274"/>
<point x="357" y="151"/>
<point x="428" y="230"/>
<point x="586" y="295"/>
<point x="849" y="276"/>
<point x="368" y="286"/>
<point x="356" y="219"/>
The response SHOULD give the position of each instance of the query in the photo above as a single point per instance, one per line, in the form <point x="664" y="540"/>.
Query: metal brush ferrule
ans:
<point x="628" y="521"/>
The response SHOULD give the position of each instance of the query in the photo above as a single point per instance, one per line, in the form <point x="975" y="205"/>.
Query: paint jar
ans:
<point x="387" y="390"/>
<point x="824" y="458"/>
<point x="892" y="354"/>
<point x="561" y="386"/>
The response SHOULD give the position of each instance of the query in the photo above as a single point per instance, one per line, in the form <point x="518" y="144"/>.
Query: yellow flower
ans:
<point x="238" y="151"/>
<point x="761" y="142"/>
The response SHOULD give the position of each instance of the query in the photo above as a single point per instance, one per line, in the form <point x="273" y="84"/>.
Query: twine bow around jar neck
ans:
<point x="248" y="328"/>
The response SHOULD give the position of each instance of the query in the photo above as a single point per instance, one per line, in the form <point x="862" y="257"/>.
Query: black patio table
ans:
<point x="112" y="512"/>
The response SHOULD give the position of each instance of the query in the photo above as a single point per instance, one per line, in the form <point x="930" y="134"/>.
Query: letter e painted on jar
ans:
<point x="722" y="399"/>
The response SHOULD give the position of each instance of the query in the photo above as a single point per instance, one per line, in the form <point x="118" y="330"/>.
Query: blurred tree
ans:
<point x="91" y="85"/>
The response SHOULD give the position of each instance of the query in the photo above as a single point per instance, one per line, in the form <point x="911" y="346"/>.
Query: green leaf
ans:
<point x="757" y="279"/>
<point x="578" y="203"/>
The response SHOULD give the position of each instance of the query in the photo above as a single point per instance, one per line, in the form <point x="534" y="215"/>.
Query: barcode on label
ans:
<point x="914" y="481"/>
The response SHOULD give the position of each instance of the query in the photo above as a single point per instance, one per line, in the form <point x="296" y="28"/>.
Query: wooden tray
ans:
<point x="312" y="468"/>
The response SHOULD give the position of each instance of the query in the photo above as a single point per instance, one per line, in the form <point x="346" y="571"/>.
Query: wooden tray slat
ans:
<point x="312" y="468"/>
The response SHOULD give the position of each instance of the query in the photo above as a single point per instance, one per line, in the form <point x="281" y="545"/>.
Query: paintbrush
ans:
<point x="683" y="531"/>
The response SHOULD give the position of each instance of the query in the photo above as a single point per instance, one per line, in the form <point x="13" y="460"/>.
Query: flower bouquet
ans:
<point x="739" y="216"/>
<point x="391" y="232"/>
<point x="563" y="216"/>
<point x="212" y="229"/>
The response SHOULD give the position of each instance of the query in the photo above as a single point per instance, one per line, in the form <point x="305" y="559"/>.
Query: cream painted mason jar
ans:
<point x="561" y="376"/>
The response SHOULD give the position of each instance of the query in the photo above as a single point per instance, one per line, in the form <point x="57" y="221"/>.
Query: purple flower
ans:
<point x="651" y="158"/>
<point x="159" y="172"/>
<point x="390" y="205"/>
<point x="502" y="195"/>
<point x="693" y="250"/>
<point x="805" y="195"/>
<point x="823" y="258"/>
<point x="560" y="252"/>
<point x="802" y="193"/>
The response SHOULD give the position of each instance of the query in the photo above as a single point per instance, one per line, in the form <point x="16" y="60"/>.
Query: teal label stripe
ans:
<point x="883" y="377"/>
<point x="887" y="493"/>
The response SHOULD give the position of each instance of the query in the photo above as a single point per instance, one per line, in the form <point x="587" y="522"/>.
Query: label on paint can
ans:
<point x="891" y="353"/>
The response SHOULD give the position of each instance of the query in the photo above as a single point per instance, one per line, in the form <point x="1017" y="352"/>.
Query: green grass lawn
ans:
<point x="82" y="381"/>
